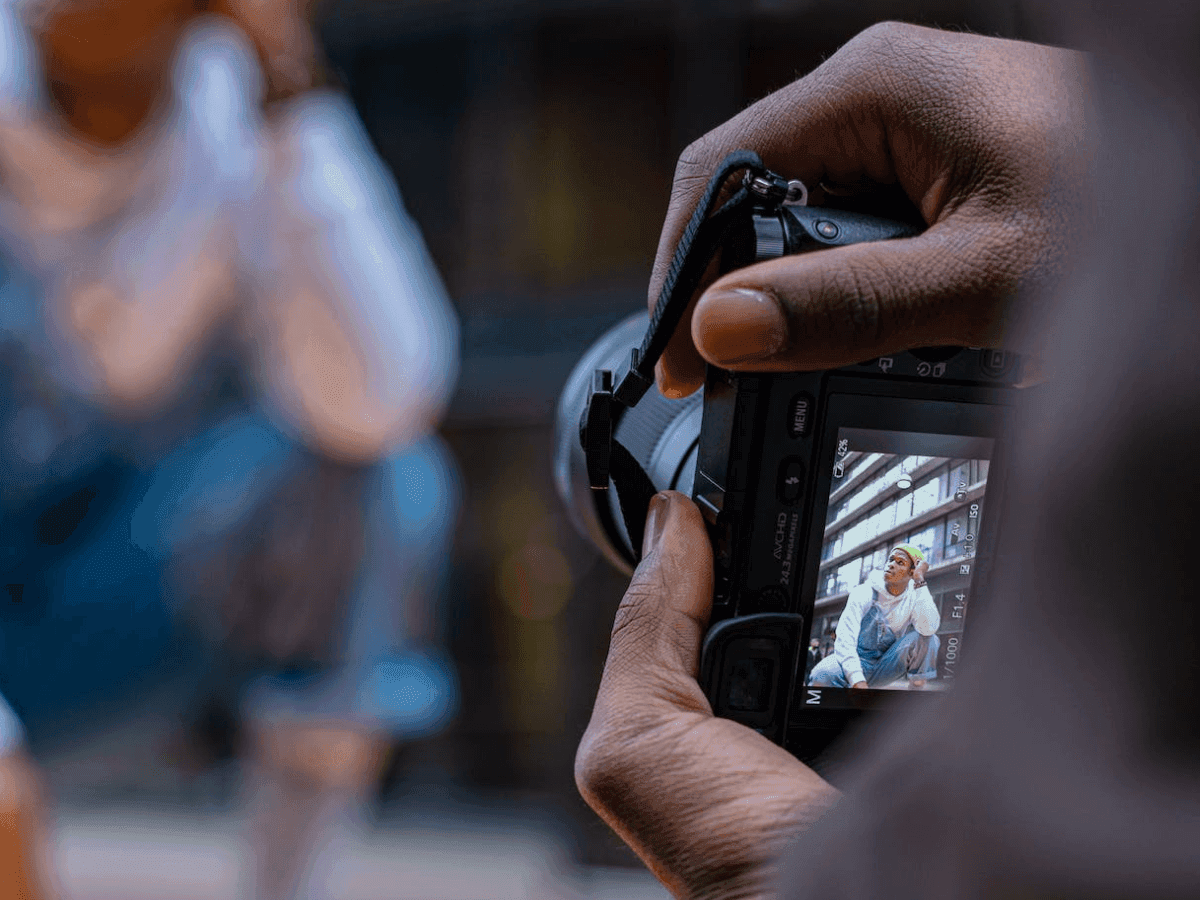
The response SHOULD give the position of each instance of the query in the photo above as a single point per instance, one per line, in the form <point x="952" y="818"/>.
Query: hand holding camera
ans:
<point x="703" y="800"/>
<point x="983" y="136"/>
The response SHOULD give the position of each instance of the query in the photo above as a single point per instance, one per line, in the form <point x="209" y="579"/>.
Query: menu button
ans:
<point x="800" y="415"/>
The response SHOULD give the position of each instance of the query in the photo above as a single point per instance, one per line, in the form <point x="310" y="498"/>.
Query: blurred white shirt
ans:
<point x="289" y="225"/>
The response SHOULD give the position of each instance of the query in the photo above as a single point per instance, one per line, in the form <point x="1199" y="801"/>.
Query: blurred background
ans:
<point x="533" y="142"/>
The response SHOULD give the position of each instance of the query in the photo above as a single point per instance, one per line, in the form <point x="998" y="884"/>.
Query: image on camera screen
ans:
<point x="903" y="507"/>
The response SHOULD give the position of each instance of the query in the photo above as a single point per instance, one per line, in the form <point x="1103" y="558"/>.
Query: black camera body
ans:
<point x="796" y="478"/>
<point x="820" y="490"/>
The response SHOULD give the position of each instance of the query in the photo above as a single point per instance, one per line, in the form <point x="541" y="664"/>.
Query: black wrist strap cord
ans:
<point x="697" y="245"/>
<point x="608" y="399"/>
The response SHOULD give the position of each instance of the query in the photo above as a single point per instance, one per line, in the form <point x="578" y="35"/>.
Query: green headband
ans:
<point x="913" y="551"/>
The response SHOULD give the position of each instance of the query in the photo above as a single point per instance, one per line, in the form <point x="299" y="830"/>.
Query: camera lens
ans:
<point x="661" y="434"/>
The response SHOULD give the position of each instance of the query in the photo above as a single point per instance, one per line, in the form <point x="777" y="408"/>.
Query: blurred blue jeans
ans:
<point x="107" y="630"/>
<point x="385" y="678"/>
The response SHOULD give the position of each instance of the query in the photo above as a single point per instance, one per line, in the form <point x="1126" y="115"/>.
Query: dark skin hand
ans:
<point x="986" y="139"/>
<point x="670" y="778"/>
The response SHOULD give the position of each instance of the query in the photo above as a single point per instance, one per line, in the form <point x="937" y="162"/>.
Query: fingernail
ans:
<point x="664" y="384"/>
<point x="656" y="520"/>
<point x="738" y="325"/>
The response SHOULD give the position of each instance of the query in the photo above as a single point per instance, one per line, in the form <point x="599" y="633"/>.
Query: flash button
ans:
<point x="790" y="484"/>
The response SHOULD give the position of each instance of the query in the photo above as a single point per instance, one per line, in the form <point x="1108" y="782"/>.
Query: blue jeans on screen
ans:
<point x="884" y="657"/>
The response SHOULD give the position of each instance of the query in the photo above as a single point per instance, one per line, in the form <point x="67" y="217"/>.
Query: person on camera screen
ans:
<point x="888" y="630"/>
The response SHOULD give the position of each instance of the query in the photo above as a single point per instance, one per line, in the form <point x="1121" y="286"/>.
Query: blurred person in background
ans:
<point x="226" y="350"/>
<point x="1074" y="772"/>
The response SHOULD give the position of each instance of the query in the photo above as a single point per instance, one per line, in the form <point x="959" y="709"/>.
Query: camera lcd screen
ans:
<point x="903" y="507"/>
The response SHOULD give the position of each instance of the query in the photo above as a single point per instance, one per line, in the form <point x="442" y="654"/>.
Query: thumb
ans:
<point x="654" y="654"/>
<point x="836" y="307"/>
<point x="708" y="804"/>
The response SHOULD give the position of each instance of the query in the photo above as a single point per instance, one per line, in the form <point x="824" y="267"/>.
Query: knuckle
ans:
<point x="593" y="765"/>
<point x="611" y="756"/>
<point x="698" y="156"/>
<point x="885" y="45"/>
<point x="625" y="755"/>
<point x="894" y="64"/>
<point x="694" y="167"/>
<point x="883" y="36"/>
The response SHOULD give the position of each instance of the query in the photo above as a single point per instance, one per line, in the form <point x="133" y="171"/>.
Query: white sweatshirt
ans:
<point x="915" y="606"/>
<point x="291" y="227"/>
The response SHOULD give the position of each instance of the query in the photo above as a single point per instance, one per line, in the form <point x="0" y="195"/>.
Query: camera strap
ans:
<point x="610" y="397"/>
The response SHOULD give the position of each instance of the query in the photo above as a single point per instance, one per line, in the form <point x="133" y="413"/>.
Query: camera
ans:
<point x="851" y="512"/>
